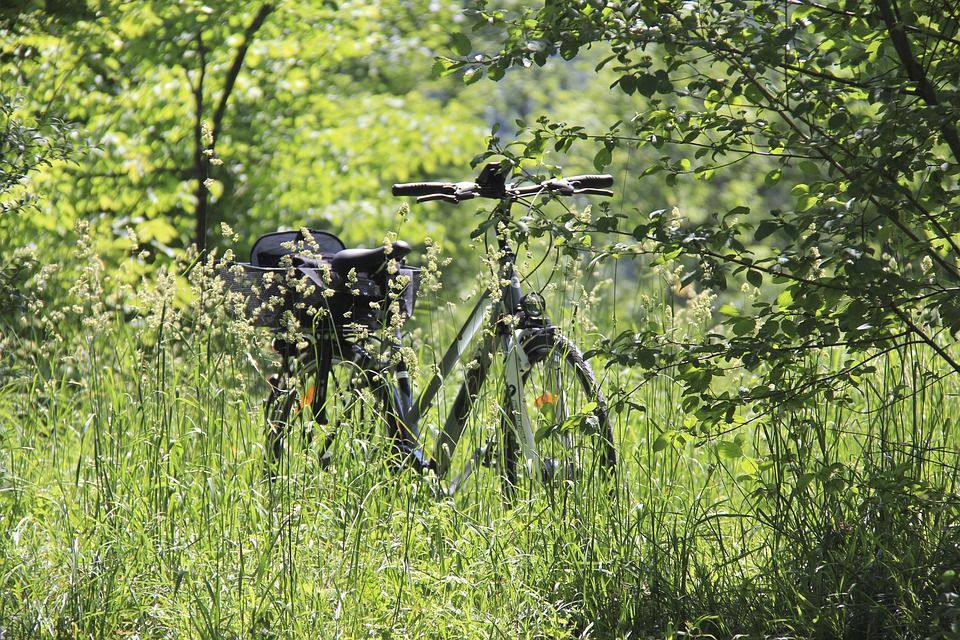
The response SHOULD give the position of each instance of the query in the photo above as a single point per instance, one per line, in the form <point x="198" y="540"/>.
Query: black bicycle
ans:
<point x="528" y="407"/>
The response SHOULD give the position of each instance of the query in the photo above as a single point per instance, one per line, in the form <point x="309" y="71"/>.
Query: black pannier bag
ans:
<point x="293" y="271"/>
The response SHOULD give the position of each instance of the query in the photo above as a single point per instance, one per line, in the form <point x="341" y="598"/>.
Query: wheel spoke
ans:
<point x="329" y="409"/>
<point x="568" y="418"/>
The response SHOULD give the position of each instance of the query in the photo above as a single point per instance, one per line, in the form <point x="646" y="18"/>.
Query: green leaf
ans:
<point x="749" y="466"/>
<point x="809" y="167"/>
<point x="753" y="94"/>
<point x="603" y="159"/>
<point x="744" y="326"/>
<point x="444" y="67"/>
<point x="460" y="44"/>
<point x="806" y="202"/>
<point x="785" y="299"/>
<point x="157" y="229"/>
<point x="730" y="450"/>
<point x="472" y="74"/>
<point x="804" y="480"/>
<point x="764" y="229"/>
<point x="628" y="84"/>
<point x="662" y="442"/>
<point x="730" y="311"/>
<point x="646" y="84"/>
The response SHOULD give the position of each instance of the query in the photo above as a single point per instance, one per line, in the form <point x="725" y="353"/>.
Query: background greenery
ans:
<point x="770" y="301"/>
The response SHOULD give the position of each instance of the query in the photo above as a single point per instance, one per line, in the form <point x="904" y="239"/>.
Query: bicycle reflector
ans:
<point x="545" y="399"/>
<point x="533" y="305"/>
<point x="546" y="405"/>
<point x="308" y="396"/>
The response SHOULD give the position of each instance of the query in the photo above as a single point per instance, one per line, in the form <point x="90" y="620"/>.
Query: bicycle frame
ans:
<point x="505" y="328"/>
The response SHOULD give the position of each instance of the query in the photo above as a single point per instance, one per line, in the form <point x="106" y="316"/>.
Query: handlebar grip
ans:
<point x="422" y="188"/>
<point x="591" y="181"/>
<point x="446" y="197"/>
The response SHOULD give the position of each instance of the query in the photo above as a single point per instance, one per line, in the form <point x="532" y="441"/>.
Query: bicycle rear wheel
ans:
<point x="334" y="405"/>
<point x="573" y="437"/>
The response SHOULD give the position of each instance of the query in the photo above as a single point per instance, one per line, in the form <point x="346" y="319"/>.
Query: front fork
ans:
<point x="526" y="319"/>
<point x="532" y="326"/>
<point x="516" y="366"/>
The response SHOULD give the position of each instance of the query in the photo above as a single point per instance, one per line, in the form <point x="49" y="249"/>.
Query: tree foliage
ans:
<point x="854" y="107"/>
<point x="257" y="115"/>
<point x="841" y="116"/>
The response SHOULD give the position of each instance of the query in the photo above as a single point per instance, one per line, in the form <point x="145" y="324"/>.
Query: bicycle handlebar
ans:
<point x="459" y="191"/>
<point x="420" y="188"/>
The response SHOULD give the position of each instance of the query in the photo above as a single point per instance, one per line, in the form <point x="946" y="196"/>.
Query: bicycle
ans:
<point x="547" y="422"/>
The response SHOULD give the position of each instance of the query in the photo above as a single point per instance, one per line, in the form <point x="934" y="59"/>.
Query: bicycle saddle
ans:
<point x="368" y="259"/>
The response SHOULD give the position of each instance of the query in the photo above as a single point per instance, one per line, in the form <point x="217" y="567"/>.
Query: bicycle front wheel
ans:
<point x="570" y="440"/>
<point x="333" y="406"/>
<point x="568" y="418"/>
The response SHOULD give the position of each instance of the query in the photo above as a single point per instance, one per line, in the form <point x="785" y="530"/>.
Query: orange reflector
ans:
<point x="547" y="398"/>
<point x="308" y="396"/>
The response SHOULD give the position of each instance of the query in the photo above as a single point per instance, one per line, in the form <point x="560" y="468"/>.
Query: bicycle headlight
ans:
<point x="533" y="305"/>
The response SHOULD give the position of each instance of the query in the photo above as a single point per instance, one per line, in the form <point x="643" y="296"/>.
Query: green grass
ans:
<point x="133" y="503"/>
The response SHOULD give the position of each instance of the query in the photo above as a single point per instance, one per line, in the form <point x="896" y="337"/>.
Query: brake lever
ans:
<point x="446" y="197"/>
<point x="594" y="192"/>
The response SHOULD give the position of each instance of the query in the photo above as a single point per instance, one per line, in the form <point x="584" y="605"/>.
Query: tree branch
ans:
<point x="922" y="335"/>
<point x="234" y="71"/>
<point x="915" y="72"/>
<point x="199" y="157"/>
<point x="203" y="151"/>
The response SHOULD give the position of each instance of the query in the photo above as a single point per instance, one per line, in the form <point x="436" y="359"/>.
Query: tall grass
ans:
<point x="134" y="503"/>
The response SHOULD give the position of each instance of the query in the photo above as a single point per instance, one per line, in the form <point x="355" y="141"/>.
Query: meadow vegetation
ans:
<point x="771" y="311"/>
<point x="134" y="502"/>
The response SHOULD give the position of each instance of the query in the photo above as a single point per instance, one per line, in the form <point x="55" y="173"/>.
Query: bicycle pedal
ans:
<point x="324" y="461"/>
<point x="488" y="457"/>
<point x="551" y="470"/>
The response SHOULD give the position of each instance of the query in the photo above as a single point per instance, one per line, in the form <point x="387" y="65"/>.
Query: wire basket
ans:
<point x="317" y="296"/>
<point x="258" y="294"/>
